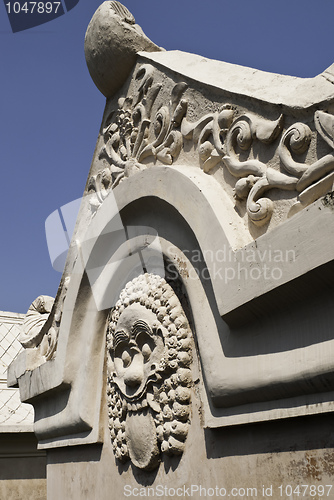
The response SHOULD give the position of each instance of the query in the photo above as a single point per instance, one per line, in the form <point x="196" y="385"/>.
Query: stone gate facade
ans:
<point x="189" y="350"/>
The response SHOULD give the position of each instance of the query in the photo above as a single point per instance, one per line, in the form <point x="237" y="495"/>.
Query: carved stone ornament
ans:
<point x="145" y="129"/>
<point x="36" y="317"/>
<point x="41" y="324"/>
<point x="149" y="378"/>
<point x="133" y="134"/>
<point x="199" y="171"/>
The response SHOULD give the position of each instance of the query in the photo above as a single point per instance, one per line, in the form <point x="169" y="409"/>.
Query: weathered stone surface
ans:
<point x="261" y="461"/>
<point x="284" y="90"/>
<point x="22" y="467"/>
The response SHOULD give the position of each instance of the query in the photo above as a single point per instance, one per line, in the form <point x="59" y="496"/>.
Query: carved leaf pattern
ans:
<point x="222" y="138"/>
<point x="131" y="135"/>
<point x="208" y="135"/>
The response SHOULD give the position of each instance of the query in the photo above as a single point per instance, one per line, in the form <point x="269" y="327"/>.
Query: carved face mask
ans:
<point x="138" y="349"/>
<point x="148" y="374"/>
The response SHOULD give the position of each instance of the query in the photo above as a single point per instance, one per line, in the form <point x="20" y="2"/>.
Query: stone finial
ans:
<point x="111" y="43"/>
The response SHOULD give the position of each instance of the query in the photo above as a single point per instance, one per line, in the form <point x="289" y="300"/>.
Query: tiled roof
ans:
<point x="14" y="415"/>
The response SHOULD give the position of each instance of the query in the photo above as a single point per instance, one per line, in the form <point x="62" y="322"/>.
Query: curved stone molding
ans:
<point x="149" y="378"/>
<point x="232" y="377"/>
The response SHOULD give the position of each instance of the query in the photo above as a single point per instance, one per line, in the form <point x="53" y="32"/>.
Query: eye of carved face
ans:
<point x="146" y="345"/>
<point x="149" y="355"/>
<point x="123" y="355"/>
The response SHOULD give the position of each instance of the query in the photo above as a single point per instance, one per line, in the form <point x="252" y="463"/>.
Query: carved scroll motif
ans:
<point x="255" y="177"/>
<point x="149" y="352"/>
<point x="219" y="138"/>
<point x="315" y="180"/>
<point x="208" y="135"/>
<point x="135" y="136"/>
<point x="132" y="134"/>
<point x="229" y="138"/>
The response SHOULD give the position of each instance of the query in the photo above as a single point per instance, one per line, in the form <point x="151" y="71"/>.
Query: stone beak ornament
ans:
<point x="111" y="44"/>
<point x="149" y="378"/>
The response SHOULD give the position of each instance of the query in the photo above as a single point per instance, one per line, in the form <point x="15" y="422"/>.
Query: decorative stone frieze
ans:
<point x="132" y="133"/>
<point x="143" y="130"/>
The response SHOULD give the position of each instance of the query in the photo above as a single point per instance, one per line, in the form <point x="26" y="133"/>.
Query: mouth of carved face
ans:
<point x="138" y="349"/>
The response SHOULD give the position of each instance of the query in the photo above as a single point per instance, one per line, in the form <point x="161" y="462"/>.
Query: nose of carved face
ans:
<point x="134" y="374"/>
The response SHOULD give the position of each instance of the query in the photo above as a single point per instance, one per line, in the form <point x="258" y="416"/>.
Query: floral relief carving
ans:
<point x="135" y="136"/>
<point x="133" y="133"/>
<point x="149" y="353"/>
<point x="255" y="177"/>
<point x="219" y="136"/>
<point x="208" y="135"/>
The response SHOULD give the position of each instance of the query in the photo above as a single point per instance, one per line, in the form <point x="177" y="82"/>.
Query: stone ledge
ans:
<point x="291" y="91"/>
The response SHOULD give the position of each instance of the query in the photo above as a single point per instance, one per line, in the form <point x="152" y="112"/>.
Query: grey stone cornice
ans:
<point x="273" y="88"/>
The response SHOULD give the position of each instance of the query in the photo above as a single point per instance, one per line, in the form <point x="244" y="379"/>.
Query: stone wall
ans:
<point x="22" y="467"/>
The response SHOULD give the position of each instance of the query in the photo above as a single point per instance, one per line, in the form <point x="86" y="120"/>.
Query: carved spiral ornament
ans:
<point x="241" y="134"/>
<point x="297" y="138"/>
<point x="255" y="150"/>
<point x="300" y="137"/>
<point x="149" y="353"/>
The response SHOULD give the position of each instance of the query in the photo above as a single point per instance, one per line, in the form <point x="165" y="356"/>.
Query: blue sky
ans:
<point x="50" y="110"/>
